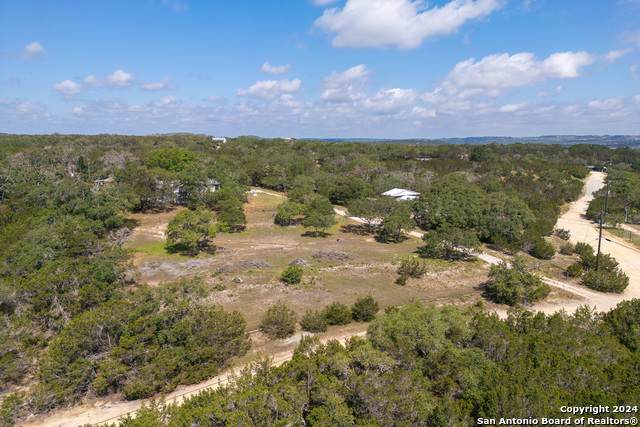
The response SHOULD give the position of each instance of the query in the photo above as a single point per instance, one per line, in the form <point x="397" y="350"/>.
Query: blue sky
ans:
<point x="321" y="68"/>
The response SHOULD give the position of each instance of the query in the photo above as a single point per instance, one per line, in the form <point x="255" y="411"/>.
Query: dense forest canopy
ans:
<point x="72" y="324"/>
<point x="434" y="366"/>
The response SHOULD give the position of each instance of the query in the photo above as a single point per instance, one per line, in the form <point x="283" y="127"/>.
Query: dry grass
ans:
<point x="245" y="277"/>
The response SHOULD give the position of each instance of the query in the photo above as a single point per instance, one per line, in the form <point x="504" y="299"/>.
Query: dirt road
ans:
<point x="583" y="230"/>
<point x="109" y="410"/>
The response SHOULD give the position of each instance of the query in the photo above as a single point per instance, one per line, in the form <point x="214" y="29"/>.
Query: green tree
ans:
<point x="542" y="249"/>
<point x="624" y="319"/>
<point x="287" y="212"/>
<point x="279" y="321"/>
<point x="337" y="314"/>
<point x="314" y="321"/>
<point x="231" y="215"/>
<point x="319" y="215"/>
<point x="453" y="200"/>
<point x="511" y="284"/>
<point x="365" y="309"/>
<point x="394" y="226"/>
<point x="302" y="189"/>
<point x="191" y="231"/>
<point x="171" y="159"/>
<point x="449" y="243"/>
<point x="371" y="210"/>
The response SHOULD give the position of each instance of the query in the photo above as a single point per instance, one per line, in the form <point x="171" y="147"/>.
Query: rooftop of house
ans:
<point x="401" y="193"/>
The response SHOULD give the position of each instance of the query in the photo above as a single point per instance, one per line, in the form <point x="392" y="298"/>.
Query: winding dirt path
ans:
<point x="108" y="410"/>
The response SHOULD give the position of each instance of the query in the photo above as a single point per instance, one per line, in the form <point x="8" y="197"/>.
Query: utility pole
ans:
<point x="602" y="214"/>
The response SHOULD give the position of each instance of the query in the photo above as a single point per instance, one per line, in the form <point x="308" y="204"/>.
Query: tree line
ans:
<point x="433" y="366"/>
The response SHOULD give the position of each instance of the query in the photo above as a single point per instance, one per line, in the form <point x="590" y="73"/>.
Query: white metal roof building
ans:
<point x="402" y="194"/>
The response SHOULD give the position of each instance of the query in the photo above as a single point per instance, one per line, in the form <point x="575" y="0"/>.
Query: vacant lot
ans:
<point x="244" y="273"/>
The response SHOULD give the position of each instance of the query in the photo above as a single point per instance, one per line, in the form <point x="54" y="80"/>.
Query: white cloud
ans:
<point x="613" y="104"/>
<point x="346" y="85"/>
<point x="390" y="101"/>
<point x="566" y="65"/>
<point x="614" y="55"/>
<point x="15" y="109"/>
<point x="272" y="69"/>
<point x="67" y="88"/>
<point x="550" y="93"/>
<point x="163" y="85"/>
<point x="271" y="89"/>
<point x="32" y="51"/>
<point x="402" y="23"/>
<point x="92" y="81"/>
<point x="570" y="109"/>
<point x="511" y="108"/>
<point x="423" y="113"/>
<point x="495" y="73"/>
<point x="357" y="75"/>
<point x="119" y="78"/>
<point x="169" y="100"/>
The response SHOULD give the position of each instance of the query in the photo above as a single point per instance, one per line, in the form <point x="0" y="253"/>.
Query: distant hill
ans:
<point x="632" y="141"/>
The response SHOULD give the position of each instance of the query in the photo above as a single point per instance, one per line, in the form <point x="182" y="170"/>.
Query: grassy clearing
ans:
<point x="155" y="249"/>
<point x="244" y="276"/>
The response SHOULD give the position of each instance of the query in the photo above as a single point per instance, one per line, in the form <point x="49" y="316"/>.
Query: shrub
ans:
<point x="567" y="249"/>
<point x="582" y="248"/>
<point x="365" y="309"/>
<point x="279" y="321"/>
<point x="337" y="314"/>
<point x="606" y="281"/>
<point x="401" y="280"/>
<point x="574" y="269"/>
<point x="292" y="274"/>
<point x="542" y="249"/>
<point x="510" y="284"/>
<point x="563" y="233"/>
<point x="314" y="321"/>
<point x="412" y="267"/>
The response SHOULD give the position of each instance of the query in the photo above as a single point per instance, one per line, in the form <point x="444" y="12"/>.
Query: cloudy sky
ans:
<point x="321" y="68"/>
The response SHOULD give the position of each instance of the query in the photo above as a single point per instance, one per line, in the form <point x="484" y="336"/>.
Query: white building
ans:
<point x="402" y="194"/>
